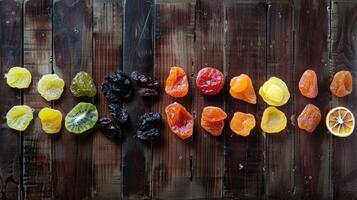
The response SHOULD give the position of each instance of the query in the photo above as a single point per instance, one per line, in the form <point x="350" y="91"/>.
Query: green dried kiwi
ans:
<point x="83" y="85"/>
<point x="81" y="118"/>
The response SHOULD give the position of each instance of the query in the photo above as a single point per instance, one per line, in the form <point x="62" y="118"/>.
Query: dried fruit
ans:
<point x="242" y="123"/>
<point x="179" y="120"/>
<point x="210" y="81"/>
<point x="50" y="87"/>
<point x="19" y="117"/>
<point x="308" y="84"/>
<point x="144" y="81"/>
<point x="242" y="89"/>
<point x="83" y="85"/>
<point x="273" y="120"/>
<point x="149" y="124"/>
<point x="309" y="118"/>
<point x="117" y="86"/>
<point x="177" y="83"/>
<point x="110" y="128"/>
<point x="275" y="92"/>
<point x="212" y="120"/>
<point x="81" y="118"/>
<point x="51" y="120"/>
<point x="118" y="113"/>
<point x="18" y="77"/>
<point x="341" y="84"/>
<point x="147" y="92"/>
<point x="340" y="122"/>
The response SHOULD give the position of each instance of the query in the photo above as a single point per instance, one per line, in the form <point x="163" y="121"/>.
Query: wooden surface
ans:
<point x="261" y="38"/>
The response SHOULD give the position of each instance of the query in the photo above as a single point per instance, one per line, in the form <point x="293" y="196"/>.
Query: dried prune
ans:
<point x="147" y="92"/>
<point x="109" y="128"/>
<point x="148" y="126"/>
<point x="118" y="113"/>
<point x="144" y="81"/>
<point x="117" y="86"/>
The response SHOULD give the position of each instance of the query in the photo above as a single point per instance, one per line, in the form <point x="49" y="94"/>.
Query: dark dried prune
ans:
<point x="117" y="86"/>
<point x="118" y="113"/>
<point x="147" y="92"/>
<point x="144" y="81"/>
<point x="149" y="134"/>
<point x="110" y="128"/>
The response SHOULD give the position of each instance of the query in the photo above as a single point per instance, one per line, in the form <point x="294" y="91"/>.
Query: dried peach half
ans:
<point x="180" y="120"/>
<point x="242" y="123"/>
<point x="212" y="120"/>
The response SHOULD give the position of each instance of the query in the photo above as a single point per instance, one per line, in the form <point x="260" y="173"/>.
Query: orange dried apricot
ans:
<point x="212" y="120"/>
<point x="341" y="84"/>
<point x="176" y="83"/>
<point x="242" y="123"/>
<point x="242" y="89"/>
<point x="309" y="118"/>
<point x="308" y="84"/>
<point x="180" y="121"/>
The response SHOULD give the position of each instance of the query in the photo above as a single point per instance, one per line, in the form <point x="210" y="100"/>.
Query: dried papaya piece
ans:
<point x="176" y="83"/>
<point x="242" y="89"/>
<point x="180" y="121"/>
<point x="212" y="120"/>
<point x="309" y="118"/>
<point x="308" y="84"/>
<point x="242" y="123"/>
<point x="341" y="84"/>
<point x="275" y="92"/>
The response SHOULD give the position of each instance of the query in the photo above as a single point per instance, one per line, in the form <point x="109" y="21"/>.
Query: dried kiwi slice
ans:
<point x="81" y="118"/>
<point x="83" y="85"/>
<point x="19" y="117"/>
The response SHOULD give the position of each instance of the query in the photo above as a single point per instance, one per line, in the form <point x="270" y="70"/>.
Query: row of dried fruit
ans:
<point x="210" y="81"/>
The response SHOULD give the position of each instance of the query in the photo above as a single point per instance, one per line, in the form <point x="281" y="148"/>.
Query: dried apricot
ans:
<point x="309" y="118"/>
<point x="275" y="92"/>
<point x="341" y="84"/>
<point x="242" y="123"/>
<point x="180" y="121"/>
<point x="177" y="83"/>
<point x="212" y="120"/>
<point x="242" y="89"/>
<point x="308" y="84"/>
<point x="210" y="81"/>
<point x="273" y="120"/>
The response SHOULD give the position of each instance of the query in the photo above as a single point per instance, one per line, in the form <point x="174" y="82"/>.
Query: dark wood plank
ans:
<point x="174" y="46"/>
<point x="72" y="154"/>
<point x="312" y="161"/>
<point x="344" y="57"/>
<point x="10" y="56"/>
<point x="138" y="56"/>
<point x="280" y="147"/>
<point x="37" y="180"/>
<point x="208" y="159"/>
<point x="107" y="57"/>
<point x="245" y="53"/>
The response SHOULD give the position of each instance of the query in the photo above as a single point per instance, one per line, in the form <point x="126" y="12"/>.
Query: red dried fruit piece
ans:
<point x="309" y="118"/>
<point x="341" y="84"/>
<point x="210" y="81"/>
<point x="177" y="83"/>
<point x="212" y="120"/>
<point x="179" y="120"/>
<point x="308" y="84"/>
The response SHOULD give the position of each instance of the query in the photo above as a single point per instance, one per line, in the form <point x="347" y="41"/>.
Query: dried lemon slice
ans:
<point x="51" y="120"/>
<point x="19" y="117"/>
<point x="340" y="122"/>
<point x="18" y="77"/>
<point x="50" y="86"/>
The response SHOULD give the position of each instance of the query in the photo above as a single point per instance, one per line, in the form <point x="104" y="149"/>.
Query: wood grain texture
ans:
<point x="10" y="56"/>
<point x="72" y="154"/>
<point x="174" y="46"/>
<point x="245" y="53"/>
<point x="138" y="56"/>
<point x="312" y="160"/>
<point x="207" y="161"/>
<point x="280" y="147"/>
<point x="37" y="180"/>
<point x="107" y="58"/>
<point x="344" y="57"/>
